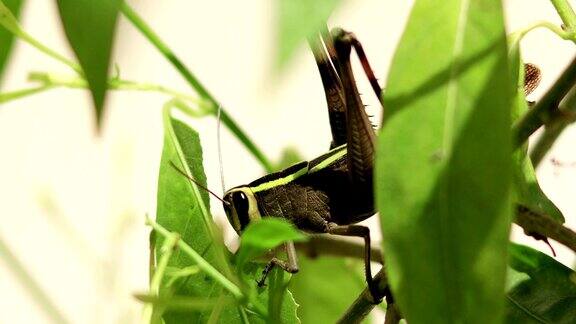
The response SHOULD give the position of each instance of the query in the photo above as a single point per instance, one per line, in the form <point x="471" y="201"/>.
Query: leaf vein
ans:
<point x="527" y="311"/>
<point x="449" y="116"/>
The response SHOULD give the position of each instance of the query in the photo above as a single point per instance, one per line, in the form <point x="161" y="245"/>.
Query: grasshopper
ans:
<point x="334" y="191"/>
<point x="331" y="193"/>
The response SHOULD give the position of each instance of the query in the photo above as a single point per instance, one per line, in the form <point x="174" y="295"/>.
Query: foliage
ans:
<point x="6" y="37"/>
<point x="527" y="190"/>
<point x="336" y="283"/>
<point x="452" y="167"/>
<point x="90" y="26"/>
<point x="183" y="209"/>
<point x="445" y="210"/>
<point x="544" y="290"/>
<point x="298" y="20"/>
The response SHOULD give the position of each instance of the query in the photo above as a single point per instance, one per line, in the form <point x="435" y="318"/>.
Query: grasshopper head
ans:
<point x="241" y="207"/>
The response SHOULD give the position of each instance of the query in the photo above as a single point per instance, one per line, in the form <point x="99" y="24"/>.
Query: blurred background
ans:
<point x="72" y="205"/>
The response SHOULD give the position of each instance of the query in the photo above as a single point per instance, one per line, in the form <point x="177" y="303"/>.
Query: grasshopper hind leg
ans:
<point x="360" y="135"/>
<point x="326" y="61"/>
<point x="350" y="125"/>
<point x="332" y="55"/>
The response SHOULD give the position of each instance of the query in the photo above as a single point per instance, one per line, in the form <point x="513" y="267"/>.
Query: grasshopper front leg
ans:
<point x="291" y="266"/>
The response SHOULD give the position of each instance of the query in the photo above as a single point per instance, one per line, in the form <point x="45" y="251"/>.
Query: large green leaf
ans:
<point x="325" y="287"/>
<point x="545" y="294"/>
<point x="527" y="189"/>
<point x="297" y="20"/>
<point x="90" y="26"/>
<point x="183" y="209"/>
<point x="443" y="164"/>
<point x="6" y="37"/>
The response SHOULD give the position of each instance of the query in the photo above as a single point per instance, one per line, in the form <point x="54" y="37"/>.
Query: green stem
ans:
<point x="567" y="35"/>
<point x="48" y="51"/>
<point x="152" y="256"/>
<point x="168" y="247"/>
<point x="243" y="316"/>
<point x="29" y="284"/>
<point x="18" y="94"/>
<point x="566" y="13"/>
<point x="186" y="109"/>
<point x="553" y="129"/>
<point x="546" y="109"/>
<point x="200" y="262"/>
<point x="113" y="84"/>
<point x="195" y="84"/>
<point x="185" y="304"/>
<point x="137" y="86"/>
<point x="9" y="21"/>
<point x="116" y="84"/>
<point x="51" y="81"/>
<point x="364" y="304"/>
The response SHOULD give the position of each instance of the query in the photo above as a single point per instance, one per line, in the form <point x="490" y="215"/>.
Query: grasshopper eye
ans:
<point x="241" y="205"/>
<point x="227" y="207"/>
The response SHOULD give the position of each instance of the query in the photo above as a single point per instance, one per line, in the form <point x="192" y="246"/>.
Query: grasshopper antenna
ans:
<point x="197" y="182"/>
<point x="218" y="139"/>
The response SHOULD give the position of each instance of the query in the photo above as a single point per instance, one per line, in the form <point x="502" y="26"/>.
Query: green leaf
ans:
<point x="325" y="287"/>
<point x="546" y="295"/>
<point x="527" y="190"/>
<point x="183" y="209"/>
<point x="6" y="37"/>
<point x="89" y="26"/>
<point x="443" y="168"/>
<point x="297" y="20"/>
<point x="264" y="235"/>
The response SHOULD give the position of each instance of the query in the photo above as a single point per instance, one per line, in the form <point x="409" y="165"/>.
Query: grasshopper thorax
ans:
<point x="241" y="207"/>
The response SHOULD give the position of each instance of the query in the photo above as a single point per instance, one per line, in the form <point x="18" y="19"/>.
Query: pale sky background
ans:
<point x="100" y="189"/>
